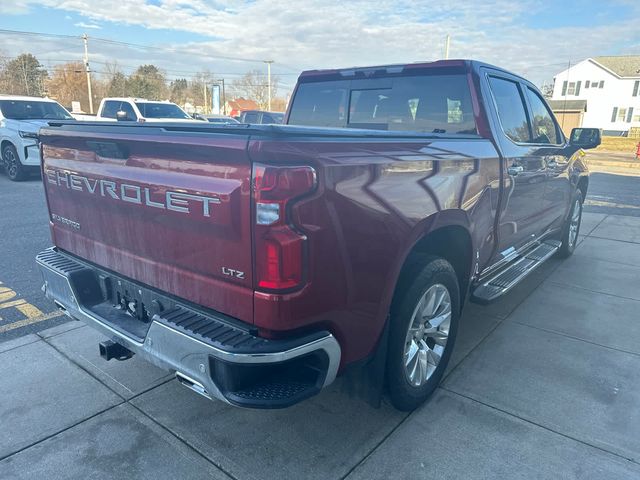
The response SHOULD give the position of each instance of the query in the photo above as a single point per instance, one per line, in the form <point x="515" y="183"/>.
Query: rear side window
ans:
<point x="432" y="104"/>
<point x="544" y="128"/>
<point x="511" y="109"/>
<point x="251" y="118"/>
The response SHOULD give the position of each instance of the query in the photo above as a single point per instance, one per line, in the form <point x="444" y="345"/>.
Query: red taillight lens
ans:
<point x="279" y="247"/>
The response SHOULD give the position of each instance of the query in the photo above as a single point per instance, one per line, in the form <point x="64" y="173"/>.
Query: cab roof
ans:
<point x="25" y="98"/>
<point x="395" y="69"/>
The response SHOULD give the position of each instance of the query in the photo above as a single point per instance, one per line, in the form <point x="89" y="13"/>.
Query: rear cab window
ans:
<point x="426" y="103"/>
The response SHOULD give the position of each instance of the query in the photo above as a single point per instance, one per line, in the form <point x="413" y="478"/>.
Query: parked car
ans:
<point x="139" y="110"/>
<point x="260" y="117"/>
<point x="259" y="262"/>
<point x="213" y="118"/>
<point x="20" y="119"/>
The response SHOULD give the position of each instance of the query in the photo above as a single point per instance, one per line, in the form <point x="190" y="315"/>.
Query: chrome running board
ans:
<point x="494" y="287"/>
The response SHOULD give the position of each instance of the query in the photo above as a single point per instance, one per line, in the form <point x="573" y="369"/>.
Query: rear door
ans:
<point x="525" y="171"/>
<point x="170" y="210"/>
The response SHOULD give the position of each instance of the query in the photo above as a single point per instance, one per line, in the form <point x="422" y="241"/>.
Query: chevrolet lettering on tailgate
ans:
<point x="131" y="193"/>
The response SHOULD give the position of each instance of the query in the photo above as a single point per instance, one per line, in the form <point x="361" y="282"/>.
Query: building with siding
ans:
<point x="610" y="86"/>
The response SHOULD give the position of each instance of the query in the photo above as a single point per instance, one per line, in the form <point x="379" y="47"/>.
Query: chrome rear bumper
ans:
<point x="230" y="366"/>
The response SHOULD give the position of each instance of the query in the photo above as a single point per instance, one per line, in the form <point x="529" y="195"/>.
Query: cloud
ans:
<point x="87" y="25"/>
<point x="17" y="7"/>
<point x="334" y="33"/>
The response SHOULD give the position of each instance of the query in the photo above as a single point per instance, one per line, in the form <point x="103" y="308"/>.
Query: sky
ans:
<point x="534" y="38"/>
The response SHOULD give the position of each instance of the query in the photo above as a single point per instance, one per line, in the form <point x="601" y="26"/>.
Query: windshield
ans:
<point x="427" y="103"/>
<point x="161" y="110"/>
<point x="33" y="110"/>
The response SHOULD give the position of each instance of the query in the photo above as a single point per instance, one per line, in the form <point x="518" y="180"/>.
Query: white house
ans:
<point x="609" y="85"/>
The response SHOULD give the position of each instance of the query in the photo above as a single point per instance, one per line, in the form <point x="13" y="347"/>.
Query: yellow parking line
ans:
<point x="13" y="303"/>
<point x="29" y="321"/>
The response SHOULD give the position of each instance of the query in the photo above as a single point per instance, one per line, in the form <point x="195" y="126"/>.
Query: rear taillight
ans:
<point x="279" y="246"/>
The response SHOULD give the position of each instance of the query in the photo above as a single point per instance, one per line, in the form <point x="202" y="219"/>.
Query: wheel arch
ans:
<point x="452" y="242"/>
<point x="6" y="142"/>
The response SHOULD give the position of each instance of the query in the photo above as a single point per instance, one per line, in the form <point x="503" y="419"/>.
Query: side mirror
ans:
<point x="122" y="116"/>
<point x="585" y="137"/>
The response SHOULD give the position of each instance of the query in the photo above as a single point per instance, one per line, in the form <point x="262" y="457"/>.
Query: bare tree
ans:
<point x="68" y="83"/>
<point x="254" y="85"/>
<point x="200" y="82"/>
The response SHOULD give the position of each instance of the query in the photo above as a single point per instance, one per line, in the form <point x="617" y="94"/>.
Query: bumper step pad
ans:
<point x="211" y="353"/>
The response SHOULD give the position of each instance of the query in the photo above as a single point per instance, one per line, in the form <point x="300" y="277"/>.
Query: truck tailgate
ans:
<point x="171" y="211"/>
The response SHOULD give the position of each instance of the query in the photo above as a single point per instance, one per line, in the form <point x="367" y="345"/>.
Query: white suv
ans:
<point x="20" y="121"/>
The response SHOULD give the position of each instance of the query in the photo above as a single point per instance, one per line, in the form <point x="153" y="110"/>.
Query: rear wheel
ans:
<point x="12" y="166"/>
<point x="424" y="324"/>
<point x="572" y="227"/>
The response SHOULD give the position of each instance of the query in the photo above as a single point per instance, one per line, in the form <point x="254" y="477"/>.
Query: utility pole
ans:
<point x="85" y="38"/>
<point x="224" y="99"/>
<point x="446" y="46"/>
<point x="269" y="62"/>
<point x="204" y="91"/>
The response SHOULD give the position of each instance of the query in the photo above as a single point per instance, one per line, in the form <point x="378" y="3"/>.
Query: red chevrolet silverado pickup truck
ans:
<point x="260" y="262"/>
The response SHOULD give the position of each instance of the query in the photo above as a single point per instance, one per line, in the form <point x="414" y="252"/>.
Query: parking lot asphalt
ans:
<point x="544" y="383"/>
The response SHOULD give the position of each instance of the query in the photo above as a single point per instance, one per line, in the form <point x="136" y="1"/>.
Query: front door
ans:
<point x="550" y="146"/>
<point x="525" y="170"/>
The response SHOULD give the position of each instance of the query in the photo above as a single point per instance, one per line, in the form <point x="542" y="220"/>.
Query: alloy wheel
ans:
<point x="10" y="162"/>
<point x="427" y="335"/>
<point x="574" y="224"/>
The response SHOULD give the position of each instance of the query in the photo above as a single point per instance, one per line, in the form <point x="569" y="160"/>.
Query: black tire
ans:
<point x="12" y="166"/>
<point x="430" y="271"/>
<point x="570" y="237"/>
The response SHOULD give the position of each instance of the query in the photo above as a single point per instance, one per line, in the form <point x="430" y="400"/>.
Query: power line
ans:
<point x="146" y="47"/>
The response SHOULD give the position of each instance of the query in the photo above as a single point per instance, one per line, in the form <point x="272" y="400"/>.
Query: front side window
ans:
<point x="543" y="126"/>
<point x="128" y="109"/>
<point x="426" y="103"/>
<point x="251" y="118"/>
<point x="33" y="110"/>
<point x="511" y="109"/>
<point x="110" y="109"/>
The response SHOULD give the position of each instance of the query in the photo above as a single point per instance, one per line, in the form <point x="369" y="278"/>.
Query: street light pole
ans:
<point x="224" y="99"/>
<point x="85" y="38"/>
<point x="446" y="47"/>
<point x="269" y="62"/>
